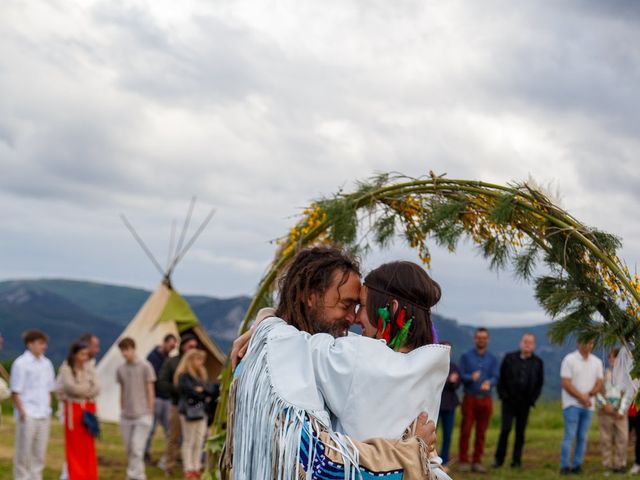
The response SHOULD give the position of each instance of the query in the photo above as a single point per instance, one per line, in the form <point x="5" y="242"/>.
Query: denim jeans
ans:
<point x="576" y="426"/>
<point x="161" y="409"/>
<point x="447" y="419"/>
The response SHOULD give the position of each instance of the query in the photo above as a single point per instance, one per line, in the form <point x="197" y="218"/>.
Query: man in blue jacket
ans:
<point x="479" y="373"/>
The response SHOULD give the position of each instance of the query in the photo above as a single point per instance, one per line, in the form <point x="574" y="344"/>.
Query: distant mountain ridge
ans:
<point x="67" y="308"/>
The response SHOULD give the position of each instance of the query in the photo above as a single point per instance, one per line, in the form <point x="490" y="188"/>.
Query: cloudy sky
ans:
<point x="258" y="107"/>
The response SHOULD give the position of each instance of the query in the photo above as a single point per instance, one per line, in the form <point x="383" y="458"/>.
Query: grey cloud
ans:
<point x="625" y="10"/>
<point x="125" y="113"/>
<point x="572" y="62"/>
<point x="7" y="136"/>
<point x="217" y="64"/>
<point x="622" y="179"/>
<point x="68" y="161"/>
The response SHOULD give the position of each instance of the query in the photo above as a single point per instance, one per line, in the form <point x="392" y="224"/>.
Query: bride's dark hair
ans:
<point x="413" y="289"/>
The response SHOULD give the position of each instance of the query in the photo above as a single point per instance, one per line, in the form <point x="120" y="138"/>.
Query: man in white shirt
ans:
<point x="581" y="375"/>
<point x="32" y="381"/>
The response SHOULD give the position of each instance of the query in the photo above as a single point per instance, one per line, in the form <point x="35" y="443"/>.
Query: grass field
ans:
<point x="541" y="456"/>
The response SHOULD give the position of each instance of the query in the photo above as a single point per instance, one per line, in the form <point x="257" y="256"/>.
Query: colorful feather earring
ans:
<point x="404" y="326"/>
<point x="384" y="327"/>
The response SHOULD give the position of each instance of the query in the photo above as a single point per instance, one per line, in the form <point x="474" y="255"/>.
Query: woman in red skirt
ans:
<point x="78" y="388"/>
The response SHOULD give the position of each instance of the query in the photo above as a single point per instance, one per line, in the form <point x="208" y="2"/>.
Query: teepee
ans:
<point x="165" y="311"/>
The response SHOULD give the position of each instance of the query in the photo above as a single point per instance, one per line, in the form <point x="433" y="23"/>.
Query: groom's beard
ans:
<point x="335" y="328"/>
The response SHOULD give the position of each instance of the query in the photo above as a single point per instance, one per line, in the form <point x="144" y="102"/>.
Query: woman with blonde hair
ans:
<point x="195" y="392"/>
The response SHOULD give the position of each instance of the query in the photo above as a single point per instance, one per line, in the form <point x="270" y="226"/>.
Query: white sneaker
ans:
<point x="635" y="469"/>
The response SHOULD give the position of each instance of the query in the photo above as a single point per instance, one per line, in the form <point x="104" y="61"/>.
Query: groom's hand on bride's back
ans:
<point x="426" y="430"/>
<point x="241" y="344"/>
<point x="239" y="348"/>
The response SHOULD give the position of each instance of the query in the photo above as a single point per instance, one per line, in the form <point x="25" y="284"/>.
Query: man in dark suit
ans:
<point x="520" y="384"/>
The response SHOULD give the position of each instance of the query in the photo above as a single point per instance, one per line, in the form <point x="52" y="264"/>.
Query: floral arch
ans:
<point x="586" y="288"/>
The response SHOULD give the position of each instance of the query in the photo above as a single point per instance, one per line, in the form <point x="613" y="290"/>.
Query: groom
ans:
<point x="279" y="424"/>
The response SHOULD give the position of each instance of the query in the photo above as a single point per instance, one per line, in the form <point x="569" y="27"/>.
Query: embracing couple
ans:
<point x="311" y="400"/>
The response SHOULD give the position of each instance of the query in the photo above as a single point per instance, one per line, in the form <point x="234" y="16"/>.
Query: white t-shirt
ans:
<point x="33" y="379"/>
<point x="583" y="373"/>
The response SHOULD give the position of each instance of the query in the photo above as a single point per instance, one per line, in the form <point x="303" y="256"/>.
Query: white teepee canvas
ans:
<point x="165" y="311"/>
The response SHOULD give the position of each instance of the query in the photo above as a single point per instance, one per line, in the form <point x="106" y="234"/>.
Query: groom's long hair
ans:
<point x="311" y="271"/>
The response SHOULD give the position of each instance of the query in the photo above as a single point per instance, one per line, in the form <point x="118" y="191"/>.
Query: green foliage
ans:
<point x="266" y="300"/>
<point x="369" y="188"/>
<point x="214" y="447"/>
<point x="607" y="242"/>
<point x="524" y="263"/>
<point x="497" y="252"/>
<point x="444" y="212"/>
<point x="384" y="229"/>
<point x="578" y="324"/>
<point x="504" y="209"/>
<point x="443" y="221"/>
<point x="344" y="227"/>
<point x="555" y="294"/>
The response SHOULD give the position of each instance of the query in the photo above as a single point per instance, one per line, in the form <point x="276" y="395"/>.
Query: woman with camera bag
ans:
<point x="195" y="393"/>
<point x="77" y="387"/>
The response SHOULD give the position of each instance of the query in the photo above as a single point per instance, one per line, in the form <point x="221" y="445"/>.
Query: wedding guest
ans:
<point x="634" y="434"/>
<point x="448" y="404"/>
<point x="613" y="404"/>
<point x="195" y="391"/>
<point x="581" y="375"/>
<point x="162" y="402"/>
<point x="136" y="378"/>
<point x="77" y="387"/>
<point x="166" y="387"/>
<point x="479" y="373"/>
<point x="520" y="385"/>
<point x="32" y="381"/>
<point x="93" y="343"/>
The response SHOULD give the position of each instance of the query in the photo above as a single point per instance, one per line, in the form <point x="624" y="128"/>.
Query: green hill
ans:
<point x="24" y="306"/>
<point x="66" y="309"/>
<point x="117" y="303"/>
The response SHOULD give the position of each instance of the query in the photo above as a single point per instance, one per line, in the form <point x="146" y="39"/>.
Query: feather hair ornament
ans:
<point x="401" y="337"/>
<point x="384" y="327"/>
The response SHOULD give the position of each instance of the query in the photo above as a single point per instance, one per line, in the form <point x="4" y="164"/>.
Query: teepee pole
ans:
<point x="144" y="247"/>
<point x="172" y="244"/>
<point x="195" y="236"/>
<point x="183" y="234"/>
